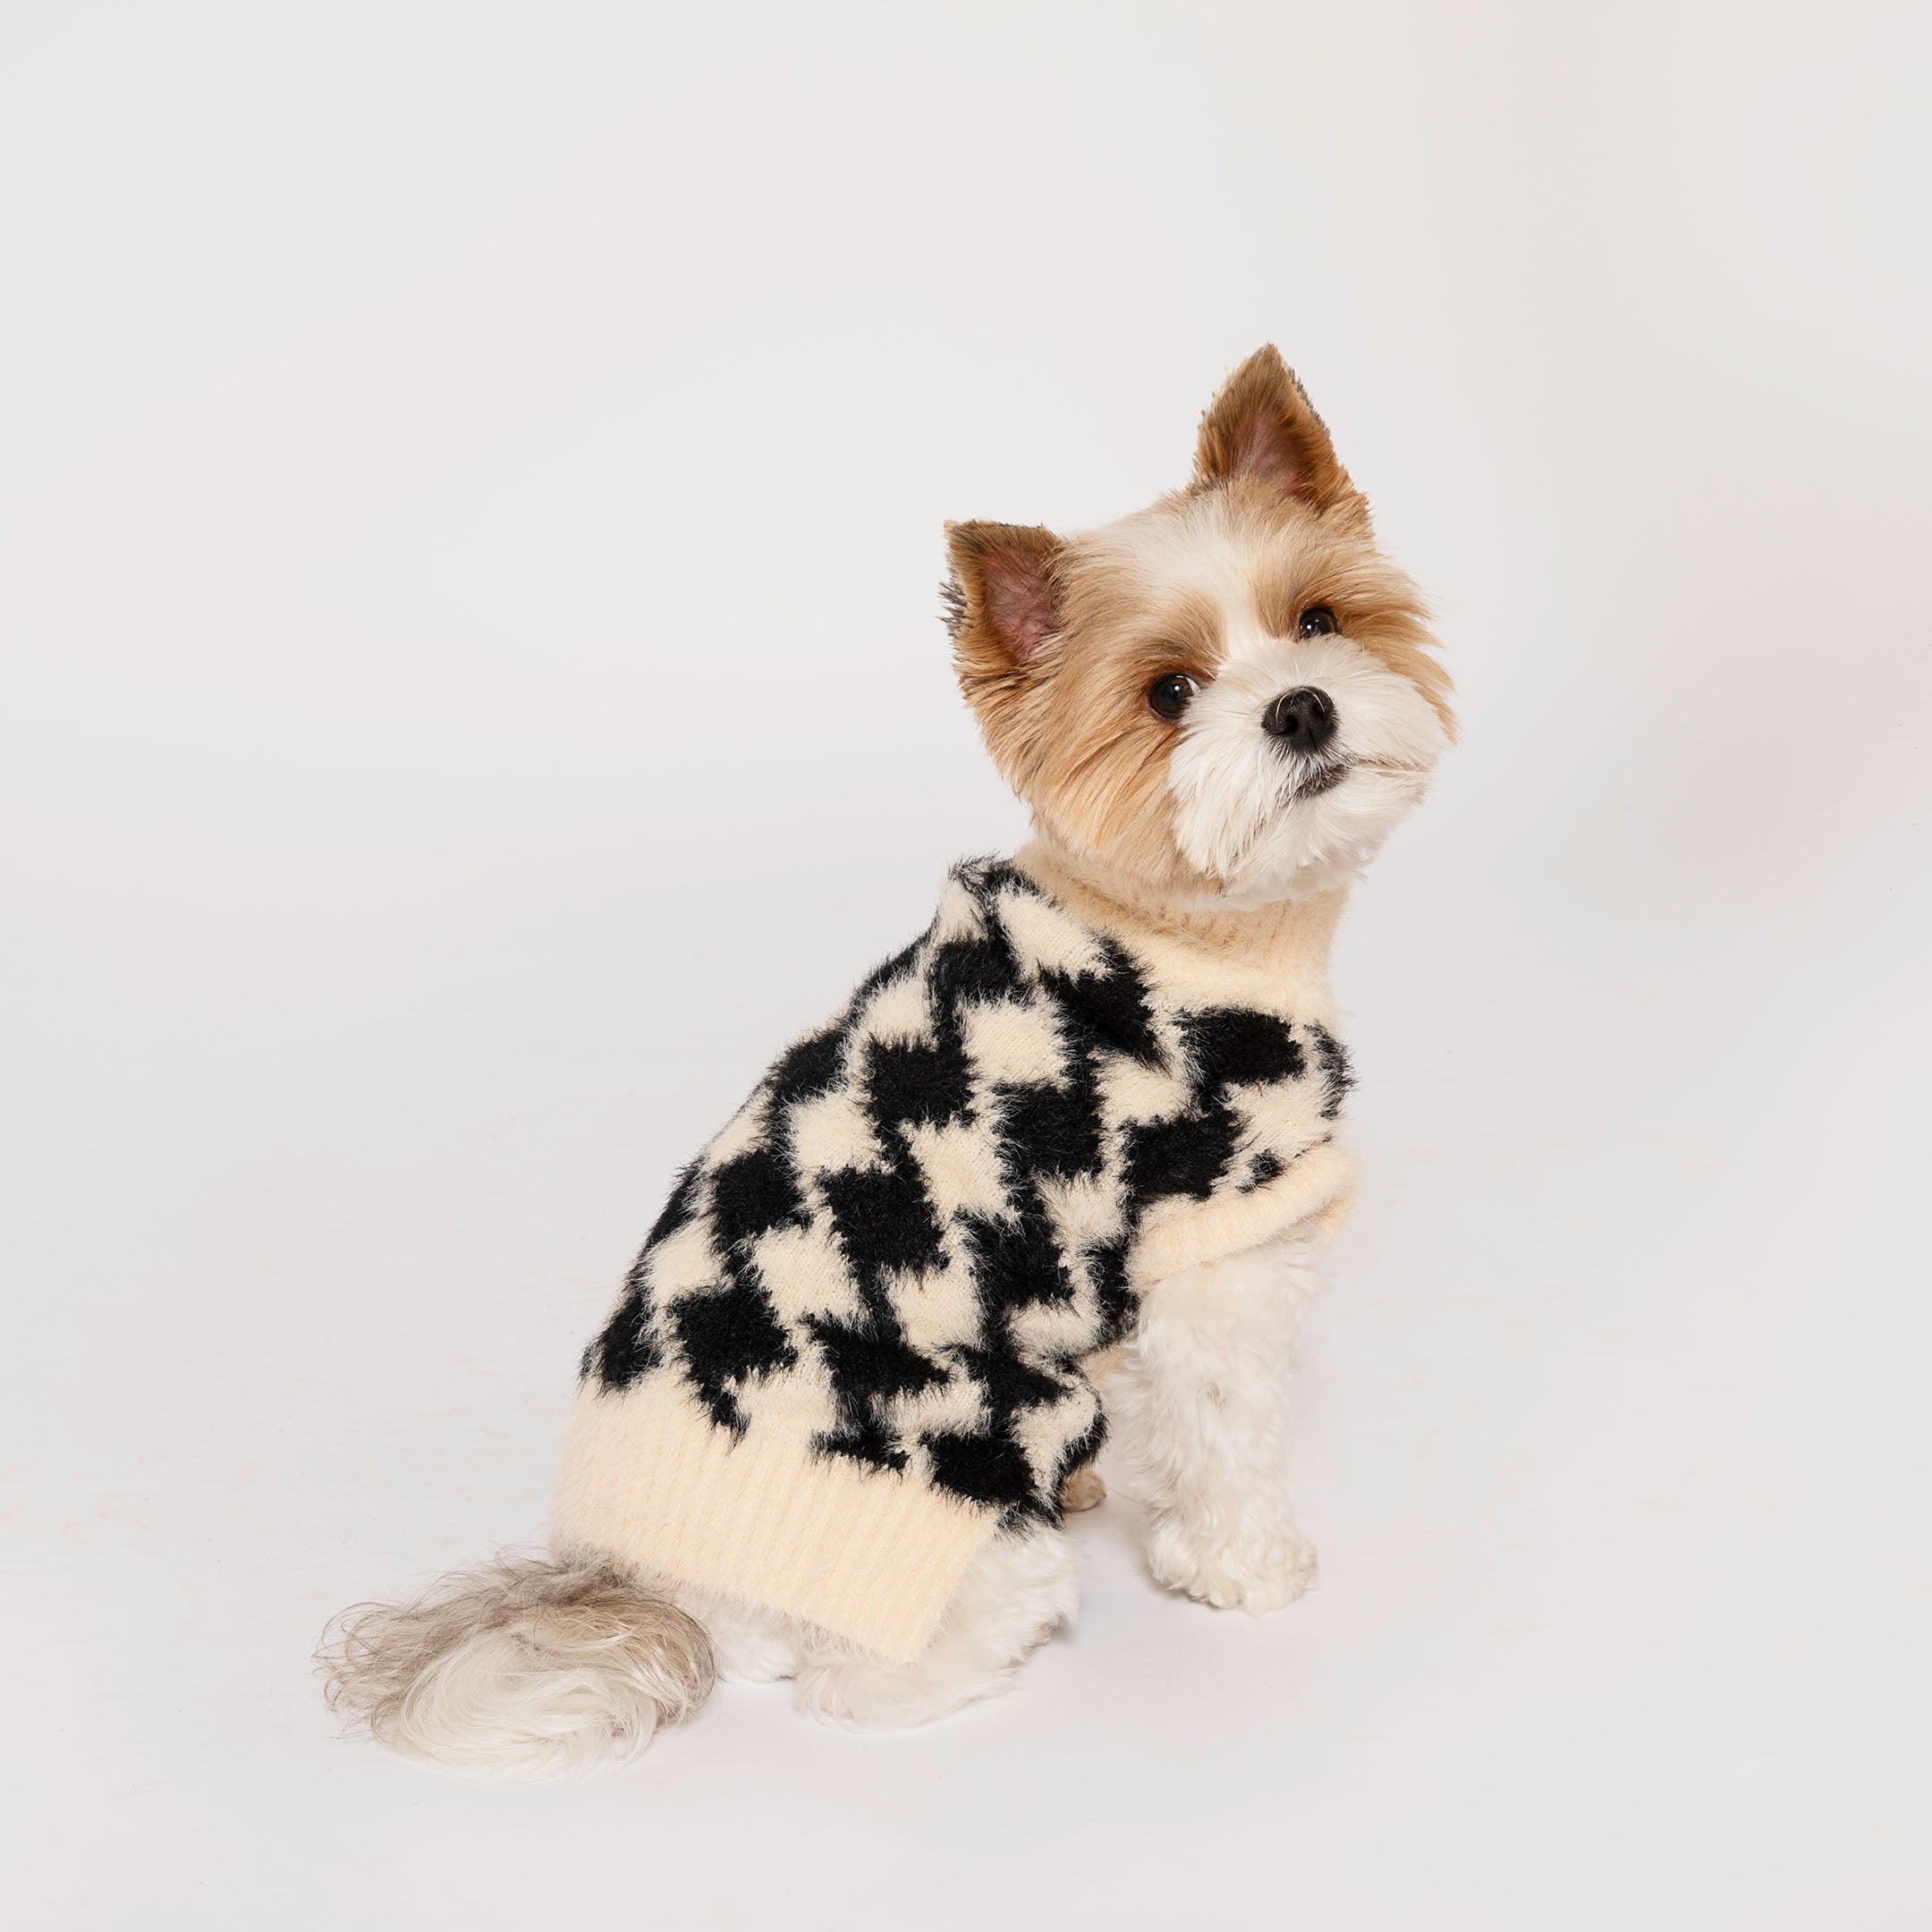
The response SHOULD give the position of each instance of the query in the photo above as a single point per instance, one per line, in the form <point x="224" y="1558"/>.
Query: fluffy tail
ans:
<point x="532" y="1667"/>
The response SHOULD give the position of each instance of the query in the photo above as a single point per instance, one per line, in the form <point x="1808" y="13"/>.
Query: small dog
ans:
<point x="850" y="1386"/>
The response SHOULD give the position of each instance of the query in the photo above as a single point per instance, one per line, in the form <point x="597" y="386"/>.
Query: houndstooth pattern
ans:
<point x="923" y="1219"/>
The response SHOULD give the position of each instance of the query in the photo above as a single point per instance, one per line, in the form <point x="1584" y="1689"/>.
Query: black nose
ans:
<point x="1303" y="720"/>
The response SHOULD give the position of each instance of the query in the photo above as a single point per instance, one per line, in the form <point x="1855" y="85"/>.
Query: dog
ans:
<point x="1083" y="1130"/>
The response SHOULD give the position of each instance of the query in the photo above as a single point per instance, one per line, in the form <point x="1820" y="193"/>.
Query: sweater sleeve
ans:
<point x="1318" y="1185"/>
<point x="1251" y="1152"/>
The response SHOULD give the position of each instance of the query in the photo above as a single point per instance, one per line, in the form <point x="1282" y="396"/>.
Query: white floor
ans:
<point x="471" y="499"/>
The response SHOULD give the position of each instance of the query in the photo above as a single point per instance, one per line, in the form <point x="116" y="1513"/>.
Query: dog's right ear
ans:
<point x="1262" y="427"/>
<point x="1002" y="601"/>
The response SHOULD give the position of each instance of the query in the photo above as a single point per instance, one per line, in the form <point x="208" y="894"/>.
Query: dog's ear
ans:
<point x="1002" y="599"/>
<point x="1262" y="426"/>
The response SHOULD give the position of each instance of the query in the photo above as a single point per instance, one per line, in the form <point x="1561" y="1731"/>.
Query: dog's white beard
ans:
<point x="1237" y="817"/>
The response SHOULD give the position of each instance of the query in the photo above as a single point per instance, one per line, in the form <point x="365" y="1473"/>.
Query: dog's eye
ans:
<point x="1167" y="695"/>
<point x="1316" y="620"/>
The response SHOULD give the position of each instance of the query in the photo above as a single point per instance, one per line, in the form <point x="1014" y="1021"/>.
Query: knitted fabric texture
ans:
<point x="852" y="1347"/>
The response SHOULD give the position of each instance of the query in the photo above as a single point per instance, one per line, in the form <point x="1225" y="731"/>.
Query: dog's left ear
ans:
<point x="1002" y="601"/>
<point x="1003" y="607"/>
<point x="1262" y="426"/>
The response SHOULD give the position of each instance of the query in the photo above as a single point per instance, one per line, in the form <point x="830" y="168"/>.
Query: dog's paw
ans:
<point x="1083" y="1490"/>
<point x="1256" y="1571"/>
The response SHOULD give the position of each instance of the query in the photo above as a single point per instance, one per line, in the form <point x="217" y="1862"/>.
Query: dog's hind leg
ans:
<point x="1018" y="1591"/>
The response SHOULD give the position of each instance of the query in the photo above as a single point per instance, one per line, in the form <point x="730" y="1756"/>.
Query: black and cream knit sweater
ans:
<point x="852" y="1347"/>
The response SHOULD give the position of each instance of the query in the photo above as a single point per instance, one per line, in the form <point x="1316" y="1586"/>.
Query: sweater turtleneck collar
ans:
<point x="1286" y="941"/>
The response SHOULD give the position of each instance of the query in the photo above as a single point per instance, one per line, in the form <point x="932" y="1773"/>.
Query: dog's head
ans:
<point x="1228" y="697"/>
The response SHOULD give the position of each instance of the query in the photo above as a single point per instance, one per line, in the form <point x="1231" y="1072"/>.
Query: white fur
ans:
<point x="1021" y="1589"/>
<point x="1239" y="816"/>
<point x="1017" y="1592"/>
<point x="528" y="1667"/>
<point x="542" y="1667"/>
<point x="747" y="1644"/>
<point x="1199" y="1409"/>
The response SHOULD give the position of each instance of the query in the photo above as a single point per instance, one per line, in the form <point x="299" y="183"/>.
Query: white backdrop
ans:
<point x="470" y="481"/>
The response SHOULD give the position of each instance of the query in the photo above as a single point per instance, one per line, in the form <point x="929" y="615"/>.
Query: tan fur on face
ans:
<point x="1057" y="639"/>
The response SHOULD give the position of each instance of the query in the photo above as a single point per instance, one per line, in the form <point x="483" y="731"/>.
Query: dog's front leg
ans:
<point x="1200" y="1408"/>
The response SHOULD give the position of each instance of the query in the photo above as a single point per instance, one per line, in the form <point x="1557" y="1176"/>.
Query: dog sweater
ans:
<point x="851" y="1348"/>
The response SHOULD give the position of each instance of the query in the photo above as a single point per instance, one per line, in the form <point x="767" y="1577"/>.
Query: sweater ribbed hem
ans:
<point x="649" y="1479"/>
